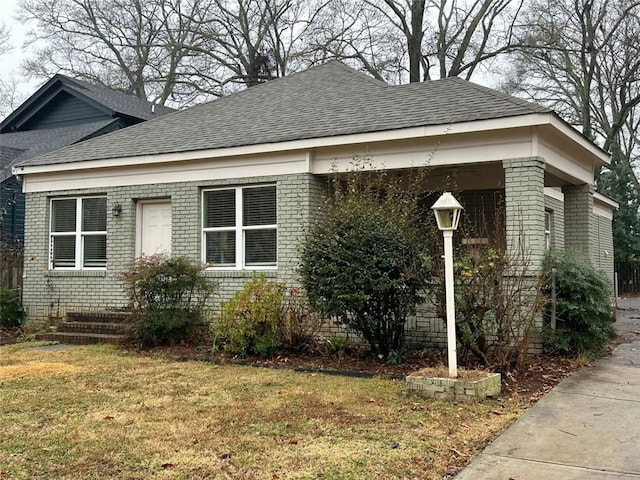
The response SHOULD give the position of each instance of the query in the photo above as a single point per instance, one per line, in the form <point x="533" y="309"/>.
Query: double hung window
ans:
<point x="240" y="227"/>
<point x="78" y="233"/>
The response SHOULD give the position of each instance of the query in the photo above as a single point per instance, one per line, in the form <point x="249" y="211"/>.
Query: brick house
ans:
<point x="235" y="181"/>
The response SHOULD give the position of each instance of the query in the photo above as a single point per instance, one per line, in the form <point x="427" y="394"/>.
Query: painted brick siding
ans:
<point x="603" y="245"/>
<point x="578" y="221"/>
<point x="524" y="206"/>
<point x="52" y="293"/>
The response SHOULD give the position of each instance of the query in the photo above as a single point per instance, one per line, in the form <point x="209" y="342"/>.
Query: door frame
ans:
<point x="139" y="205"/>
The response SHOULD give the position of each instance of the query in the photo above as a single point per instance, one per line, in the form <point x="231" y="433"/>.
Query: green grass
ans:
<point x="98" y="412"/>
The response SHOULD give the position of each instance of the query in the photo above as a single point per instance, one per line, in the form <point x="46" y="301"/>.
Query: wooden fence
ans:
<point x="11" y="261"/>
<point x="628" y="278"/>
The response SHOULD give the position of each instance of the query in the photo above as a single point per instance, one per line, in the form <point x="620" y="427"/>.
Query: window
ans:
<point x="547" y="230"/>
<point x="240" y="227"/>
<point x="78" y="233"/>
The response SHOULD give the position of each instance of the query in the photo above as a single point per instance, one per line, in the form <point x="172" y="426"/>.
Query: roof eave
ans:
<point x="598" y="156"/>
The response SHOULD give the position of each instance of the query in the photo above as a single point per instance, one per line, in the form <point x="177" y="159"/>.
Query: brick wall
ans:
<point x="52" y="293"/>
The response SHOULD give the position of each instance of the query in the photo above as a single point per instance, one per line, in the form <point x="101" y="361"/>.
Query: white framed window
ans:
<point x="547" y="230"/>
<point x="78" y="233"/>
<point x="239" y="227"/>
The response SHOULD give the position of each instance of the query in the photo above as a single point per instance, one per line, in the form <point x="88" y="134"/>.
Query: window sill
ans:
<point x="76" y="273"/>
<point x="273" y="273"/>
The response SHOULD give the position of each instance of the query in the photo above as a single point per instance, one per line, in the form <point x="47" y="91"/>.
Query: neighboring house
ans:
<point x="234" y="182"/>
<point x="62" y="112"/>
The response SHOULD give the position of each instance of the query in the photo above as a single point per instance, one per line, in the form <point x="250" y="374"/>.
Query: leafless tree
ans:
<point x="423" y="39"/>
<point x="136" y="46"/>
<point x="582" y="57"/>
<point x="5" y="39"/>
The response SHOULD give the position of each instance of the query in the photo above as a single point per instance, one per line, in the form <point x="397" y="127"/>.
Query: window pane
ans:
<point x="221" y="248"/>
<point x="259" y="206"/>
<point x="94" y="214"/>
<point x="64" y="251"/>
<point x="220" y="208"/>
<point x="260" y="247"/>
<point x="95" y="251"/>
<point x="63" y="215"/>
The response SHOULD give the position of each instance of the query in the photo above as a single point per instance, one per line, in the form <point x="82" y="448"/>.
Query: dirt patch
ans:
<point x="37" y="369"/>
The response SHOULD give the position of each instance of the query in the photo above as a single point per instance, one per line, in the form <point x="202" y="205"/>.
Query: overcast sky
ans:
<point x="9" y="62"/>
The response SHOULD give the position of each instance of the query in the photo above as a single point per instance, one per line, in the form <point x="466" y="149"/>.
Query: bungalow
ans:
<point x="62" y="112"/>
<point x="234" y="182"/>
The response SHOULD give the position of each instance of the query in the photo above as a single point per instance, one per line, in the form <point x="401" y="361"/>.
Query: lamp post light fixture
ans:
<point x="447" y="211"/>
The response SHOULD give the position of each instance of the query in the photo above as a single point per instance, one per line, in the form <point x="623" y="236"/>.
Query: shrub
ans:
<point x="300" y="324"/>
<point x="11" y="312"/>
<point x="583" y="308"/>
<point x="248" y="323"/>
<point x="498" y="300"/>
<point x="167" y="296"/>
<point x="365" y="261"/>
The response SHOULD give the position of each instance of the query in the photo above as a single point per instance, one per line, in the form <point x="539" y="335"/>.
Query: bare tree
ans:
<point x="136" y="46"/>
<point x="5" y="39"/>
<point x="582" y="57"/>
<point x="424" y="39"/>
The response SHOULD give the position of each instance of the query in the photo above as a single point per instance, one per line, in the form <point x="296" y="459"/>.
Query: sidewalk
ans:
<point x="587" y="427"/>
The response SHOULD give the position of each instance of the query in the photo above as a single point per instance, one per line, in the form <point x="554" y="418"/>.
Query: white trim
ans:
<point x="603" y="199"/>
<point x="554" y="192"/>
<point x="507" y="123"/>
<point x="78" y="235"/>
<point x="238" y="228"/>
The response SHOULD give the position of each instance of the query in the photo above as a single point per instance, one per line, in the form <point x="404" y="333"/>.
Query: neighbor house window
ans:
<point x="78" y="233"/>
<point x="240" y="227"/>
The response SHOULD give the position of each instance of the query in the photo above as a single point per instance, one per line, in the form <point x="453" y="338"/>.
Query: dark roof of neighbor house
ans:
<point x="328" y="100"/>
<point x="19" y="142"/>
<point x="115" y="102"/>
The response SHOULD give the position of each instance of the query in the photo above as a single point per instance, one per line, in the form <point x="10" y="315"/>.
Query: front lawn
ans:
<point x="99" y="412"/>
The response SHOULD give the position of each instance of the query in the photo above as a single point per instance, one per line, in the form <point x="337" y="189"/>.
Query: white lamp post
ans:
<point x="447" y="211"/>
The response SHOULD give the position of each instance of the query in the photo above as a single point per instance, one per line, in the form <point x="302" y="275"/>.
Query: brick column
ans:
<point x="578" y="218"/>
<point x="524" y="204"/>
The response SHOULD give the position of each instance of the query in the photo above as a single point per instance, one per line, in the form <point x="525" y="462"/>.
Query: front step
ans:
<point x="84" y="328"/>
<point x="74" y="338"/>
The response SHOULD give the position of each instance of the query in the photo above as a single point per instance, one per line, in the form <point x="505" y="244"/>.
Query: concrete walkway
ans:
<point x="587" y="427"/>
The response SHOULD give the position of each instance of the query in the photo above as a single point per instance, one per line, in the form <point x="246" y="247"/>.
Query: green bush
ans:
<point x="167" y="296"/>
<point x="365" y="261"/>
<point x="583" y="310"/>
<point x="11" y="312"/>
<point x="249" y="322"/>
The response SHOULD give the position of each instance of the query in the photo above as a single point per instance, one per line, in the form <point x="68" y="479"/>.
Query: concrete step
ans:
<point x="93" y="327"/>
<point x="75" y="338"/>
<point x="99" y="317"/>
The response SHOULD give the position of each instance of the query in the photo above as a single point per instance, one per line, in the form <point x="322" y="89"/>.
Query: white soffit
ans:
<point x="450" y="136"/>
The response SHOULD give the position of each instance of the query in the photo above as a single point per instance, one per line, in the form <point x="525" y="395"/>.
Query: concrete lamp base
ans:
<point x="478" y="386"/>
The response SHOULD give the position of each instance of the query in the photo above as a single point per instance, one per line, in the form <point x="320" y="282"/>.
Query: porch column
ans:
<point x="524" y="209"/>
<point x="578" y="217"/>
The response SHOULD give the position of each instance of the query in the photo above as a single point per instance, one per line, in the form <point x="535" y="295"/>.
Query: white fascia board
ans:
<point x="601" y="157"/>
<point x="604" y="200"/>
<point x="506" y="123"/>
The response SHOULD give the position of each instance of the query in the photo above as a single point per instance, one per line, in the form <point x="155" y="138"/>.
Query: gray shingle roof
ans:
<point x="119" y="102"/>
<point x="20" y="146"/>
<point x="328" y="100"/>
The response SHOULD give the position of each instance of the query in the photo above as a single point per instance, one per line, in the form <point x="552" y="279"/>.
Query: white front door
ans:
<point x="154" y="228"/>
